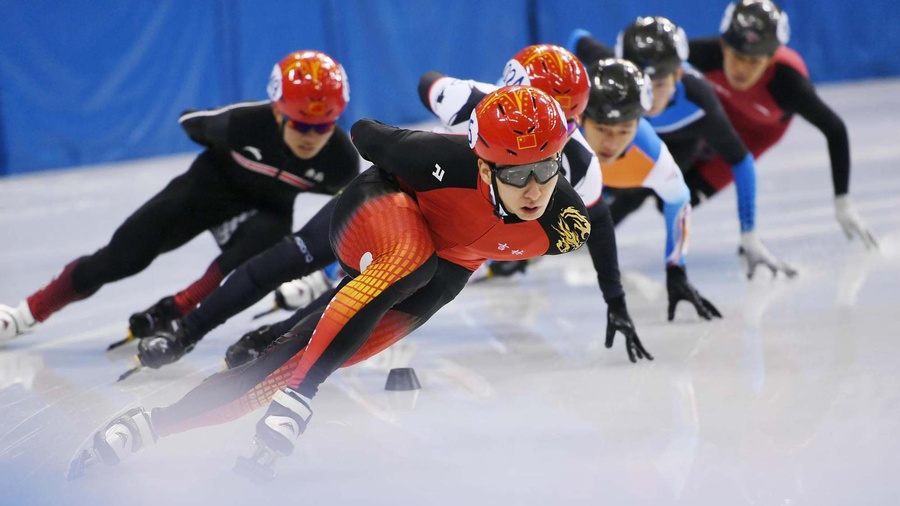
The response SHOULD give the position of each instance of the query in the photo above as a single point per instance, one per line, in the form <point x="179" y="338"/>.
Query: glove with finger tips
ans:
<point x="680" y="289"/>
<point x="852" y="223"/>
<point x="754" y="253"/>
<point x="618" y="320"/>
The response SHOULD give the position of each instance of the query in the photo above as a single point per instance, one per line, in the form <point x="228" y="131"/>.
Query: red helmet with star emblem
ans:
<point x="553" y="70"/>
<point x="309" y="87"/>
<point x="516" y="125"/>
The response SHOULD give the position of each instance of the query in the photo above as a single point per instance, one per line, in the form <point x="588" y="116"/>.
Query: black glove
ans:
<point x="500" y="269"/>
<point x="164" y="348"/>
<point x="681" y="289"/>
<point x="617" y="319"/>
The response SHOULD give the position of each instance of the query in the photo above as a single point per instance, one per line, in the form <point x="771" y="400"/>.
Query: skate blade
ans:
<point x="259" y="468"/>
<point x="87" y="458"/>
<point x="137" y="367"/>
<point x="254" y="470"/>
<point x="121" y="342"/>
<point x="266" y="312"/>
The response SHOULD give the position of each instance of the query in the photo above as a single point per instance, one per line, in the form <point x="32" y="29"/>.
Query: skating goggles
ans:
<point x="571" y="125"/>
<point x="518" y="175"/>
<point x="320" y="128"/>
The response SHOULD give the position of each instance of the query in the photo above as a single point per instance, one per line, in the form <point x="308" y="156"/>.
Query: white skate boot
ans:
<point x="276" y="434"/>
<point x="127" y="434"/>
<point x="15" y="320"/>
<point x="299" y="293"/>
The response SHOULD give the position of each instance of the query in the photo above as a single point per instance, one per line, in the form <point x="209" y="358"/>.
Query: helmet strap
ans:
<point x="499" y="210"/>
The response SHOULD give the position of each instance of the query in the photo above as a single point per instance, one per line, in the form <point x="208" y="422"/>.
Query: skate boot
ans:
<point x="299" y="293"/>
<point x="127" y="434"/>
<point x="156" y="318"/>
<point x="276" y="434"/>
<point x="15" y="320"/>
<point x="249" y="347"/>
<point x="165" y="347"/>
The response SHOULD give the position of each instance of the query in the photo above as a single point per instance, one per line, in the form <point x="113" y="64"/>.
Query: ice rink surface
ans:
<point x="792" y="399"/>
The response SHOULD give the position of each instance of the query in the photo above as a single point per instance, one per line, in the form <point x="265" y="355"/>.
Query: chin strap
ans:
<point x="499" y="211"/>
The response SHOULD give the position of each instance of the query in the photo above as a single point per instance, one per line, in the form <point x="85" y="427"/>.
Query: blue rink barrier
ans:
<point x="93" y="82"/>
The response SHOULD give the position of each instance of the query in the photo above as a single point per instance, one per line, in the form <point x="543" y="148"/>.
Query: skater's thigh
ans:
<point x="256" y="234"/>
<point x="186" y="207"/>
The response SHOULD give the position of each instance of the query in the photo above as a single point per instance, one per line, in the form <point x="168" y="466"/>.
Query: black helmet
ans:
<point x="755" y="27"/>
<point x="619" y="92"/>
<point x="654" y="44"/>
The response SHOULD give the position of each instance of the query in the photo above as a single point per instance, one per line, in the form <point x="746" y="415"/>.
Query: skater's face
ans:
<point x="663" y="89"/>
<point x="529" y="202"/>
<point x="743" y="70"/>
<point x="304" y="140"/>
<point x="609" y="141"/>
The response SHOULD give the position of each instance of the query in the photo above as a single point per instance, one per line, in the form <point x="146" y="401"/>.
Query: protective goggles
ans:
<point x="571" y="125"/>
<point x="320" y="128"/>
<point x="518" y="175"/>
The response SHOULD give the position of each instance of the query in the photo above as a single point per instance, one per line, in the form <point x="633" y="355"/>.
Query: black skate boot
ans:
<point x="249" y="347"/>
<point x="165" y="347"/>
<point x="157" y="318"/>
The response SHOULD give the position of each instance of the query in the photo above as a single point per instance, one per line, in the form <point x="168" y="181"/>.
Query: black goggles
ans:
<point x="518" y="175"/>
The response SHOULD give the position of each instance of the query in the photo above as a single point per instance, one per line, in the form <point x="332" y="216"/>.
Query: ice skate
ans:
<point x="299" y="293"/>
<point x="15" y="321"/>
<point x="259" y="467"/>
<point x="249" y="347"/>
<point x="165" y="347"/>
<point x="276" y="434"/>
<point x="161" y="349"/>
<point x="156" y="318"/>
<point x="114" y="442"/>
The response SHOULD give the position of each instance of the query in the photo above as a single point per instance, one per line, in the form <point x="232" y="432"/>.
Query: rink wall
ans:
<point x="101" y="81"/>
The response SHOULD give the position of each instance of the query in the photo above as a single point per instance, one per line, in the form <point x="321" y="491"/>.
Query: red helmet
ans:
<point x="310" y="87"/>
<point x="516" y="125"/>
<point x="553" y="70"/>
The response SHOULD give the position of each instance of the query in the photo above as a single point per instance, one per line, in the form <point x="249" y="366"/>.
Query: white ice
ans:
<point x="792" y="398"/>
